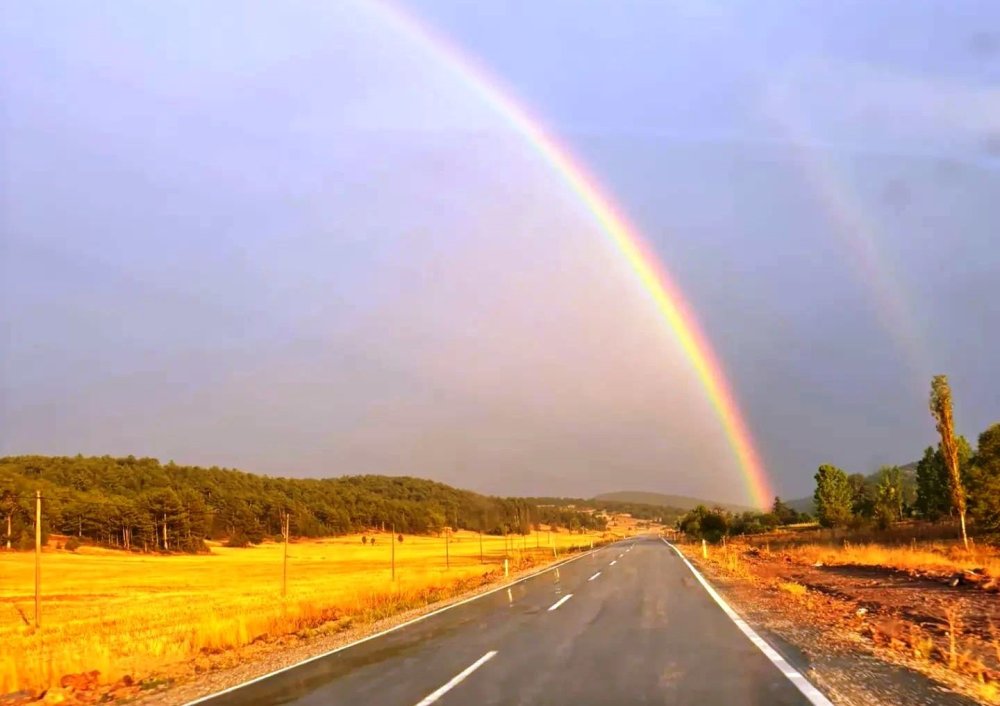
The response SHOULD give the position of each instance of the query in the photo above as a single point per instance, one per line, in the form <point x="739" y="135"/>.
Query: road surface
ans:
<point x="627" y="624"/>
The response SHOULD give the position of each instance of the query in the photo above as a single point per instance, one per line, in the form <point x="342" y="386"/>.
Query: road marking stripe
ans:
<point x="394" y="628"/>
<point x="613" y="562"/>
<point x="814" y="695"/>
<point x="594" y="576"/>
<point x="560" y="601"/>
<point x="457" y="679"/>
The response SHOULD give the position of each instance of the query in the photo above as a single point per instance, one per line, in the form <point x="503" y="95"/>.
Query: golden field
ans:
<point x="135" y="614"/>
<point x="934" y="557"/>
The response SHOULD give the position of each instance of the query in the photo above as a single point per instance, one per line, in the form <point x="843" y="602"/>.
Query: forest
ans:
<point x="142" y="504"/>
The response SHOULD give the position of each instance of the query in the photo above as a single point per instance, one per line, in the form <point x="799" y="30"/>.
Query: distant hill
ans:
<point x="139" y="502"/>
<point x="909" y="474"/>
<point x="680" y="502"/>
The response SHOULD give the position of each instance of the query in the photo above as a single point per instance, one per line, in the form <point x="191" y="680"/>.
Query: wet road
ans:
<point x="627" y="624"/>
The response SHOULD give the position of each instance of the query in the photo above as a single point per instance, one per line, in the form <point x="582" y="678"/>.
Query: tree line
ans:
<point x="660" y="514"/>
<point x="715" y="523"/>
<point x="952" y="479"/>
<point x="139" y="503"/>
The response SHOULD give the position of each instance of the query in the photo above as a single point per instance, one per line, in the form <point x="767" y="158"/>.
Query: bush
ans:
<point x="72" y="544"/>
<point x="238" y="540"/>
<point x="27" y="542"/>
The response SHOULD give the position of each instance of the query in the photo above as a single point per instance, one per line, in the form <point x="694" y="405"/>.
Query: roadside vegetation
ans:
<point x="953" y="485"/>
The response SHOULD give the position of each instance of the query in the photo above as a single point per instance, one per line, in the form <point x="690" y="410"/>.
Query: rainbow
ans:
<point x="858" y="230"/>
<point x="650" y="272"/>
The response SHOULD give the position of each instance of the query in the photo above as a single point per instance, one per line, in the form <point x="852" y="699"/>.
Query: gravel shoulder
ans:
<point x="863" y="637"/>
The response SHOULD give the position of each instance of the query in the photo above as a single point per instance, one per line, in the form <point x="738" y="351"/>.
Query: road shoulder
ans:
<point x="847" y="667"/>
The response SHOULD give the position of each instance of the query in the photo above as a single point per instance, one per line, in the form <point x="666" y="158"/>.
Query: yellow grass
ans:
<point x="135" y="614"/>
<point x="796" y="589"/>
<point x="937" y="557"/>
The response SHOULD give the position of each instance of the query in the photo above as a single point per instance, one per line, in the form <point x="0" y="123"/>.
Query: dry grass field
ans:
<point x="133" y="614"/>
<point x="933" y="557"/>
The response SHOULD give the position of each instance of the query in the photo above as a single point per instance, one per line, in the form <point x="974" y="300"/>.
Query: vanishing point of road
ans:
<point x="629" y="623"/>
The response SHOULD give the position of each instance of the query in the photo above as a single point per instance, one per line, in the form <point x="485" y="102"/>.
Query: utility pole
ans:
<point x="284" y="557"/>
<point x="393" y="544"/>
<point x="38" y="558"/>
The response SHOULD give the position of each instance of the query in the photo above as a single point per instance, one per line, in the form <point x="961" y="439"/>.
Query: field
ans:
<point x="135" y="615"/>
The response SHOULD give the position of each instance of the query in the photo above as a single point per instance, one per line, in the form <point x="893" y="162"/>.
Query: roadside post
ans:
<point x="38" y="558"/>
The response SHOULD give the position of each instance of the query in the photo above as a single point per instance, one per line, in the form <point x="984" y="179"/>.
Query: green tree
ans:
<point x="784" y="514"/>
<point x="833" y="496"/>
<point x="862" y="495"/>
<point x="703" y="523"/>
<point x="941" y="409"/>
<point x="984" y="480"/>
<point x="932" y="485"/>
<point x="888" y="496"/>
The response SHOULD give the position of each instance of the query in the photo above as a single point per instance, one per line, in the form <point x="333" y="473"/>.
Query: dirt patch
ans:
<point x="869" y="634"/>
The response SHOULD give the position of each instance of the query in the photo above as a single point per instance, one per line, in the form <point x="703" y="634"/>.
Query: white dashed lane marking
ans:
<point x="560" y="601"/>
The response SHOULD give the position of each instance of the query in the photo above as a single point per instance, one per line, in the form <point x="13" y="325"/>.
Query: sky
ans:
<point x="295" y="239"/>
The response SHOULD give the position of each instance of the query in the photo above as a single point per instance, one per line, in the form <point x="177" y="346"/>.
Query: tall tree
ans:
<point x="833" y="496"/>
<point x="941" y="410"/>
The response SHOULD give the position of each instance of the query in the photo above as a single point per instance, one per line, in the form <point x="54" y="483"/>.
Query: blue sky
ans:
<point x="290" y="239"/>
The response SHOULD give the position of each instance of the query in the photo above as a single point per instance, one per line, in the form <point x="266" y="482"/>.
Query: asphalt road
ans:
<point x="627" y="624"/>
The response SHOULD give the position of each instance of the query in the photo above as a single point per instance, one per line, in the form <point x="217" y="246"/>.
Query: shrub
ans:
<point x="72" y="544"/>
<point x="238" y="540"/>
<point x="27" y="542"/>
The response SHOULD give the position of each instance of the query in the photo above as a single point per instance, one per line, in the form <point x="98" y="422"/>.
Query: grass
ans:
<point x="133" y="614"/>
<point x="795" y="589"/>
<point x="936" y="557"/>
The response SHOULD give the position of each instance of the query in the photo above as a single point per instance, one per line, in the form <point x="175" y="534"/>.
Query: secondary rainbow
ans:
<point x="651" y="273"/>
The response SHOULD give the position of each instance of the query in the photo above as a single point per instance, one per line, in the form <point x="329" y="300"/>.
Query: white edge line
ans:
<point x="560" y="601"/>
<point x="814" y="695"/>
<point x="457" y="679"/>
<point x="262" y="677"/>
<point x="594" y="576"/>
